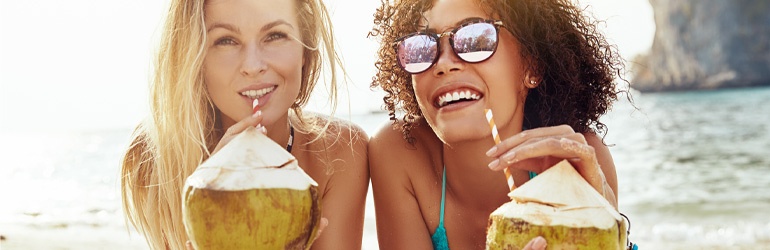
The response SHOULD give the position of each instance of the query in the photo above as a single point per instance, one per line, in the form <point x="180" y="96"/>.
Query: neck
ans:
<point x="279" y="130"/>
<point x="466" y="164"/>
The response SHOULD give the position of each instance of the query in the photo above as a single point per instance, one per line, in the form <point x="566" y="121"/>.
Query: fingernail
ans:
<point x="491" y="151"/>
<point x="257" y="114"/>
<point x="508" y="157"/>
<point x="494" y="164"/>
<point x="539" y="243"/>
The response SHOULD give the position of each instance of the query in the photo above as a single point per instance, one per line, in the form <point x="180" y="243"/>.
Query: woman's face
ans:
<point x="497" y="83"/>
<point x="251" y="55"/>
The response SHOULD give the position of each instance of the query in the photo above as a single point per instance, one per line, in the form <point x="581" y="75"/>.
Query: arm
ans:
<point x="607" y="165"/>
<point x="344" y="197"/>
<point x="400" y="224"/>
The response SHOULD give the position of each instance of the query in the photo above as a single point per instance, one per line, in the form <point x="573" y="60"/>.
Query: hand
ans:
<point x="537" y="243"/>
<point x="324" y="223"/>
<point x="250" y="121"/>
<point x="539" y="149"/>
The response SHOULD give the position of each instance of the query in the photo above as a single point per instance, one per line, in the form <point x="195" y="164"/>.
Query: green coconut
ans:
<point x="560" y="206"/>
<point x="251" y="194"/>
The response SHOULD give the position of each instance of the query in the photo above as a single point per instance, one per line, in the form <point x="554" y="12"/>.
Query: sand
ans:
<point x="69" y="237"/>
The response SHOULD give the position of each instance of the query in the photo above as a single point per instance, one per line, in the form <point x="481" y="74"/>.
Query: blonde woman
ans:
<point x="215" y="58"/>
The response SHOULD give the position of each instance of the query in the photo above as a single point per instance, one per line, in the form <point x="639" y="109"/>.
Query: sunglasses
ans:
<point x="473" y="42"/>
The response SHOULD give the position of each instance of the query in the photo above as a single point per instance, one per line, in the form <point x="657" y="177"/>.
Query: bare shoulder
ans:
<point x="334" y="149"/>
<point x="341" y="134"/>
<point x="389" y="150"/>
<point x="388" y="143"/>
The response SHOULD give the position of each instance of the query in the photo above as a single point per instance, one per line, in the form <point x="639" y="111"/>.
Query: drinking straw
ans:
<point x="496" y="136"/>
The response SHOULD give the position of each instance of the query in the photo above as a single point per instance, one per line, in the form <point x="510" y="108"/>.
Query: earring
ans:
<point x="533" y="83"/>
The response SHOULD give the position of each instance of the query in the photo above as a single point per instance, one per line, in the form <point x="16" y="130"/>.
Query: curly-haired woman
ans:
<point x="540" y="65"/>
<point x="216" y="58"/>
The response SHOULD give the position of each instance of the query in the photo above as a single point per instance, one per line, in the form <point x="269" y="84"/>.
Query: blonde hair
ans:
<point x="183" y="126"/>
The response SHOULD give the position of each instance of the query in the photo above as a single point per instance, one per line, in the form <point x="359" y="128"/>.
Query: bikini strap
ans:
<point x="443" y="195"/>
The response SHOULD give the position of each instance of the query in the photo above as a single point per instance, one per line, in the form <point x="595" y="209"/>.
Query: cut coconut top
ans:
<point x="544" y="215"/>
<point x="562" y="187"/>
<point x="250" y="160"/>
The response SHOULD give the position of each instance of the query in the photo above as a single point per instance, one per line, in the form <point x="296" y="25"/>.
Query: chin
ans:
<point x="461" y="132"/>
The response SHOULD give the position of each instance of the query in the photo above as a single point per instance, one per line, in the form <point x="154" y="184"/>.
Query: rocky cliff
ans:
<point x="706" y="44"/>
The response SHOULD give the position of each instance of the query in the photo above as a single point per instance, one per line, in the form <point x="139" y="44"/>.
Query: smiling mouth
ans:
<point x="457" y="96"/>
<point x="257" y="93"/>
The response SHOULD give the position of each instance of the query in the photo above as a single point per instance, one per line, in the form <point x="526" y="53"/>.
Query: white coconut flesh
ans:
<point x="560" y="197"/>
<point x="251" y="160"/>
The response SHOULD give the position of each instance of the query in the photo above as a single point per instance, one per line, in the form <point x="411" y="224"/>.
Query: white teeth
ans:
<point x="254" y="94"/>
<point x="456" y="96"/>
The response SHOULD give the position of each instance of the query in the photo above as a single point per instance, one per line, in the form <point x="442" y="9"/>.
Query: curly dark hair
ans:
<point x="577" y="66"/>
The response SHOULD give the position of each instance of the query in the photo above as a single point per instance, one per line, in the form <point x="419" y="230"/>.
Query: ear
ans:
<point x="532" y="81"/>
<point x="533" y="76"/>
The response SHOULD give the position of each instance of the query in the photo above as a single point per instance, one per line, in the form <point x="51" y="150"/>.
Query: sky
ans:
<point x="85" y="64"/>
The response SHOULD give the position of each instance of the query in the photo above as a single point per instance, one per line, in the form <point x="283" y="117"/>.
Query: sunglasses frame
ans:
<point x="437" y="36"/>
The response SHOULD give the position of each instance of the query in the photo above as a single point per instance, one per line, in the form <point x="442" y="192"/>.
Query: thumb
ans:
<point x="537" y="243"/>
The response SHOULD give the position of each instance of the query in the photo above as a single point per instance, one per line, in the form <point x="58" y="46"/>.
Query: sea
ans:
<point x="693" y="171"/>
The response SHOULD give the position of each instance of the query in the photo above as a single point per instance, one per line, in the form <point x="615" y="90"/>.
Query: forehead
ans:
<point x="244" y="12"/>
<point x="445" y="14"/>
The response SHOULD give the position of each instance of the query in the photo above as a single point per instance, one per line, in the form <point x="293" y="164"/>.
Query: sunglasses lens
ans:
<point x="475" y="42"/>
<point x="417" y="53"/>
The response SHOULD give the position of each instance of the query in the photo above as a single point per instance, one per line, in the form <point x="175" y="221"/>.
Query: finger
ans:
<point x="581" y="155"/>
<point x="536" y="244"/>
<point x="541" y="147"/>
<point x="250" y="121"/>
<point x="527" y="135"/>
<point x="324" y="223"/>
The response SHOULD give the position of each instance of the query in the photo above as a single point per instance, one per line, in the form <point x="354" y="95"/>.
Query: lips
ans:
<point x="257" y="93"/>
<point x="456" y="95"/>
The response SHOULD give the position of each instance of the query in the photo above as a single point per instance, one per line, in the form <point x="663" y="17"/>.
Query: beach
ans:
<point x="692" y="170"/>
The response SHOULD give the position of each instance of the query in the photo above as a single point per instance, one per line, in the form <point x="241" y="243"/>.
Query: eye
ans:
<point x="224" y="41"/>
<point x="276" y="35"/>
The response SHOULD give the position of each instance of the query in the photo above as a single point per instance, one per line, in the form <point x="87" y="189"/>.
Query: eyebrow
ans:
<point x="458" y="23"/>
<point x="237" y="30"/>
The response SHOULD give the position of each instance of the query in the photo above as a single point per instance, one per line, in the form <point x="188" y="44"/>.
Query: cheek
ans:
<point x="289" y="66"/>
<point x="218" y="69"/>
<point x="509" y="83"/>
<point x="421" y="91"/>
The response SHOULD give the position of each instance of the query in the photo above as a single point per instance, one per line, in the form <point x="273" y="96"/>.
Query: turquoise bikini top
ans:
<point x="440" y="241"/>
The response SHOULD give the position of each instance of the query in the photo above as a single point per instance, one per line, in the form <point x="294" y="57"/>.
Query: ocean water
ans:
<point x="693" y="169"/>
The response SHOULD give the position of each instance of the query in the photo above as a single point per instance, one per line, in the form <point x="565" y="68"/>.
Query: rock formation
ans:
<point x="706" y="44"/>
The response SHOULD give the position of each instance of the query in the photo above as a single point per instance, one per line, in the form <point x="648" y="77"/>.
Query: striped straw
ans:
<point x="496" y="136"/>
<point x="255" y="106"/>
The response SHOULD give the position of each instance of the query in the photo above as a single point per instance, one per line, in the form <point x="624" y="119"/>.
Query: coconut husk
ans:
<point x="229" y="169"/>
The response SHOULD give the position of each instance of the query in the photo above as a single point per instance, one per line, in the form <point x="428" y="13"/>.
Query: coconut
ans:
<point x="560" y="206"/>
<point x="251" y="194"/>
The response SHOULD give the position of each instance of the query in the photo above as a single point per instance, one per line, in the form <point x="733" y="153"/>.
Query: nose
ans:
<point x="253" y="62"/>
<point x="447" y="59"/>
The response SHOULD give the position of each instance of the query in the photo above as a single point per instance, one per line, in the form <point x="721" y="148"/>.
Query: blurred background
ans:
<point x="691" y="157"/>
